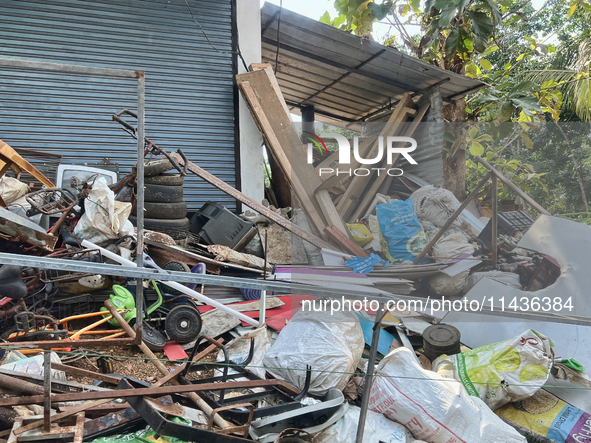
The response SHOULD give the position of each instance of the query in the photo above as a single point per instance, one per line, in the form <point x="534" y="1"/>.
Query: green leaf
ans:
<point x="529" y="144"/>
<point x="507" y="66"/>
<point x="573" y="8"/>
<point x="529" y="39"/>
<point x="484" y="138"/>
<point x="529" y="105"/>
<point x="490" y="155"/>
<point x="482" y="27"/>
<point x="448" y="12"/>
<point x="380" y="11"/>
<point x="451" y="43"/>
<point x="325" y="18"/>
<point x="473" y="131"/>
<point x="449" y="137"/>
<point x="471" y="70"/>
<point x="476" y="149"/>
<point x="520" y="57"/>
<point x="485" y="98"/>
<point x="490" y="50"/>
<point x="485" y="64"/>
<point x="495" y="11"/>
<point x="551" y="48"/>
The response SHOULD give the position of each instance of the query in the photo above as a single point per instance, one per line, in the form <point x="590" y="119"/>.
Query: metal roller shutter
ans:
<point x="189" y="85"/>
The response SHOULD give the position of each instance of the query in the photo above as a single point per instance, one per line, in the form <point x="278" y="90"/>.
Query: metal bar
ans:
<point x="452" y="218"/>
<point x="62" y="67"/>
<point x="338" y="65"/>
<point x="495" y="213"/>
<point x="85" y="373"/>
<point x="269" y="23"/>
<point x="46" y="391"/>
<point x="186" y="277"/>
<point x="342" y="77"/>
<point x="61" y="344"/>
<point x="163" y="390"/>
<point x="373" y="352"/>
<point x="20" y="386"/>
<point x="511" y="185"/>
<point x="139" y="288"/>
<point x="262" y="308"/>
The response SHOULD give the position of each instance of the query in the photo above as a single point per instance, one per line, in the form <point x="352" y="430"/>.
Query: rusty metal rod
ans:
<point x="451" y="219"/>
<point x="163" y="370"/>
<point x="140" y="392"/>
<point x="21" y="386"/>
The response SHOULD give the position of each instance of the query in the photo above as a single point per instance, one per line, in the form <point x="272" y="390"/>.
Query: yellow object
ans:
<point x="360" y="233"/>
<point x="532" y="372"/>
<point x="506" y="360"/>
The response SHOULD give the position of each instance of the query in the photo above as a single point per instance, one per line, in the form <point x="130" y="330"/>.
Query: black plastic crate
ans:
<point x="508" y="223"/>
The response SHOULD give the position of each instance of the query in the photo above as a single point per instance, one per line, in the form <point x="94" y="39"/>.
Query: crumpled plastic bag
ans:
<point x="403" y="237"/>
<point x="435" y="205"/>
<point x="105" y="218"/>
<point x="366" y="264"/>
<point x="434" y="409"/>
<point x="506" y="371"/>
<point x="378" y="429"/>
<point x="12" y="189"/>
<point x="443" y="284"/>
<point x="361" y="234"/>
<point x="332" y="344"/>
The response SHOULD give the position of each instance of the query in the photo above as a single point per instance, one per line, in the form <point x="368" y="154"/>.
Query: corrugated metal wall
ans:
<point x="189" y="85"/>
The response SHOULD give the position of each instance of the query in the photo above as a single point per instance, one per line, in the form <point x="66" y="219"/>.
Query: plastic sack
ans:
<point x="452" y="246"/>
<point x="402" y="234"/>
<point x="433" y="408"/>
<point x="105" y="218"/>
<point x="378" y="429"/>
<point x="436" y="205"/>
<point x="506" y="371"/>
<point x="146" y="435"/>
<point x="547" y="419"/>
<point x="331" y="344"/>
<point x="360" y="233"/>
<point x="239" y="350"/>
<point x="12" y="189"/>
<point x="443" y="284"/>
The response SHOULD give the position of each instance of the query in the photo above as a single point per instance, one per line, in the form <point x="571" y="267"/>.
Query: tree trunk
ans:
<point x="454" y="167"/>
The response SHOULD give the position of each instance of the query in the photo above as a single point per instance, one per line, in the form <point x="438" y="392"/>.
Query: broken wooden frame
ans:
<point x="141" y="92"/>
<point x="493" y="174"/>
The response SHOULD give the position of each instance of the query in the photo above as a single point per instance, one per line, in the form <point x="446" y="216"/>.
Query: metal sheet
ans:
<point x="313" y="52"/>
<point x="189" y="85"/>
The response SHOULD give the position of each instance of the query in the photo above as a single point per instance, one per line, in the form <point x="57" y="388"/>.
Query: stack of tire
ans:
<point x="164" y="208"/>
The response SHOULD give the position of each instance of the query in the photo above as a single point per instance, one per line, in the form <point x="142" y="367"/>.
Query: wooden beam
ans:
<point x="271" y="215"/>
<point x="355" y="189"/>
<point x="373" y="189"/>
<point x="17" y="163"/>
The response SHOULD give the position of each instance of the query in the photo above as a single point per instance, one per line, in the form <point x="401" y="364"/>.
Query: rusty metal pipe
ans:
<point x="21" y="386"/>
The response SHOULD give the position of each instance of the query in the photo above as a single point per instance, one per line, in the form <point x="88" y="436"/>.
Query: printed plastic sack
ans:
<point x="360" y="233"/>
<point x="146" y="435"/>
<point x="506" y="371"/>
<point x="402" y="233"/>
<point x="105" y="218"/>
<point x="378" y="429"/>
<point x="432" y="408"/>
<point x="547" y="419"/>
<point x="435" y="205"/>
<point x="331" y="344"/>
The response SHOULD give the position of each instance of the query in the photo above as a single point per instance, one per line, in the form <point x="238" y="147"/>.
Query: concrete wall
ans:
<point x="248" y="17"/>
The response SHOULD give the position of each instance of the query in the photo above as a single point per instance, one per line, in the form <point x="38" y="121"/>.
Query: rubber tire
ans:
<point x="155" y="167"/>
<point x="153" y="339"/>
<point x="177" y="229"/>
<point x="163" y="194"/>
<point x="179" y="267"/>
<point x="163" y="211"/>
<point x="178" y="316"/>
<point x="166" y="179"/>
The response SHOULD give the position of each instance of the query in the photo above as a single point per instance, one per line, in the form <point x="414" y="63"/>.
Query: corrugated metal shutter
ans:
<point x="189" y="85"/>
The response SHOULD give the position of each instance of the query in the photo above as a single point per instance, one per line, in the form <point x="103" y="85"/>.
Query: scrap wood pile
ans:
<point x="242" y="364"/>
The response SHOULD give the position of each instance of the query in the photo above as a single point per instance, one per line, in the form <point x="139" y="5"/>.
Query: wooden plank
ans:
<point x="271" y="215"/>
<point x="373" y="189"/>
<point x="85" y="373"/>
<point x="349" y="245"/>
<point x="355" y="189"/>
<point x="330" y="212"/>
<point x="270" y="99"/>
<point x="279" y="152"/>
<point x="10" y="156"/>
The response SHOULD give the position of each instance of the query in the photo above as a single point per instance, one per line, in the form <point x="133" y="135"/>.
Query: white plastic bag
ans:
<point x="432" y="408"/>
<point x="506" y="371"/>
<point x="331" y="344"/>
<point x="443" y="284"/>
<point x="105" y="218"/>
<point x="435" y="205"/>
<point x="12" y="189"/>
<point x="378" y="429"/>
<point x="239" y="349"/>
<point x="451" y="246"/>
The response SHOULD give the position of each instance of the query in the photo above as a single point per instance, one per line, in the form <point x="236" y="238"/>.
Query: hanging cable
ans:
<point x="211" y="44"/>
<point x="278" y="27"/>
